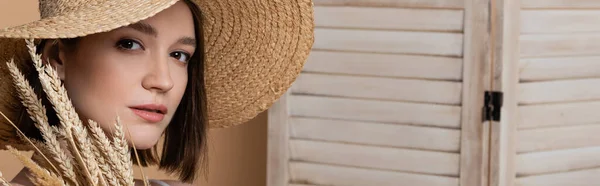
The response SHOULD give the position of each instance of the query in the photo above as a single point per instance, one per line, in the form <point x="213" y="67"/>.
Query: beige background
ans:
<point x="237" y="155"/>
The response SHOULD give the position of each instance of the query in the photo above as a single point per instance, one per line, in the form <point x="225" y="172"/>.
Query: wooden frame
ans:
<point x="472" y="168"/>
<point x="505" y="131"/>
<point x="278" y="143"/>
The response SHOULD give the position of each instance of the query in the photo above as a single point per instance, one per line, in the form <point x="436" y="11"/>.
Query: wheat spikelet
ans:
<point x="82" y="141"/>
<point x="61" y="133"/>
<point x="40" y="160"/>
<point x="106" y="177"/>
<point x="57" y="95"/>
<point x="41" y="175"/>
<point x="37" y="113"/>
<point x="122" y="150"/>
<point x="53" y="88"/>
<point x="106" y="155"/>
<point x="21" y="135"/>
<point x="137" y="158"/>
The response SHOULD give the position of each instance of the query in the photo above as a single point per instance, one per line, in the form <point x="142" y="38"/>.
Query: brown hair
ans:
<point x="184" y="149"/>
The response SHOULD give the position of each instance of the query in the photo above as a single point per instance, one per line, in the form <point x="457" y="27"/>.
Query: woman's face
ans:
<point x="138" y="72"/>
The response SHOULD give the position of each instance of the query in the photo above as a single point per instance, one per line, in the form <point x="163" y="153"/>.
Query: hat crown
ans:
<point x="51" y="8"/>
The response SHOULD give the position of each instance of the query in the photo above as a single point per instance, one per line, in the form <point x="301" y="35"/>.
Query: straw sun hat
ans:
<point x="255" y="49"/>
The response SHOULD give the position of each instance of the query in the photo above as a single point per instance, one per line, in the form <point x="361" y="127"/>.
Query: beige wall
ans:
<point x="237" y="155"/>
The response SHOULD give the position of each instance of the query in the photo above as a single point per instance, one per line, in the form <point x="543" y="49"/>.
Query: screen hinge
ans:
<point x="492" y="103"/>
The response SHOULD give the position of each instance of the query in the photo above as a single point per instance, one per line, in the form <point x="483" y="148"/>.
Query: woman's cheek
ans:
<point x="182" y="81"/>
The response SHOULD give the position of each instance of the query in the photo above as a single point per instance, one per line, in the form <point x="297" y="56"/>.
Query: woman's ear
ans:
<point x="54" y="54"/>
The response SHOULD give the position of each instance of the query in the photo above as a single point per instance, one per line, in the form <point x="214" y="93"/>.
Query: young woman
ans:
<point x="167" y="68"/>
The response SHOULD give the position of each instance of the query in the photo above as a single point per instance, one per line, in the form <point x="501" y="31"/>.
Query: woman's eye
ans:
<point x="181" y="56"/>
<point x="129" y="44"/>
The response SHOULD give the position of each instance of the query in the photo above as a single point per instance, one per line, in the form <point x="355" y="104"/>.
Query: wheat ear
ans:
<point x="3" y="180"/>
<point x="39" y="159"/>
<point x="82" y="141"/>
<point x="123" y="152"/>
<point x="37" y="113"/>
<point x="62" y="105"/>
<point x="41" y="175"/>
<point x="27" y="139"/>
<point x="137" y="158"/>
<point x="106" y="177"/>
<point x="106" y="154"/>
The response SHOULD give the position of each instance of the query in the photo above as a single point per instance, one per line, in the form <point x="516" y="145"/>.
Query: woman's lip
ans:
<point x="152" y="117"/>
<point x="160" y="108"/>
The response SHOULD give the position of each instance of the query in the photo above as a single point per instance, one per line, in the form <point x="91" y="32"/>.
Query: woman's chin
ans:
<point x="142" y="135"/>
<point x="144" y="146"/>
<point x="143" y="141"/>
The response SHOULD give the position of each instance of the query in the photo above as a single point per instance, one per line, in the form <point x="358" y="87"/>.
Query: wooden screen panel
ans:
<point x="385" y="65"/>
<point x="373" y="110"/>
<point x="586" y="177"/>
<point x="319" y="174"/>
<point x="409" y="90"/>
<point x="560" y="21"/>
<point x="559" y="91"/>
<point x="389" y="18"/>
<point x="556" y="138"/>
<point x="454" y="4"/>
<point x="543" y="45"/>
<point x="547" y="162"/>
<point x="377" y="134"/>
<point x="557" y="68"/>
<point x="563" y="114"/>
<point x="560" y="4"/>
<point x="400" y="42"/>
<point x="371" y="157"/>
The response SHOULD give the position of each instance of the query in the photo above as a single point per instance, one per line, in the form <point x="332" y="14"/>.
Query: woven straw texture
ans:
<point x="255" y="49"/>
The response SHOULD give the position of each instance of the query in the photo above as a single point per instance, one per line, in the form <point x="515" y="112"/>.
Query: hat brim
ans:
<point x="93" y="17"/>
<point x="255" y="49"/>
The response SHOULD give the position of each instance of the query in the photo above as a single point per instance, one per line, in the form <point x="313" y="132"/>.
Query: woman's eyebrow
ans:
<point x="144" y="28"/>
<point x="150" y="30"/>
<point x="187" y="41"/>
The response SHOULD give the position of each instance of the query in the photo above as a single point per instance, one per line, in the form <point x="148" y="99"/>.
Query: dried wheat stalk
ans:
<point x="40" y="176"/>
<point x="96" y="159"/>
<point x="57" y="95"/>
<point x="106" y="152"/>
<point x="122" y="151"/>
<point x="37" y="113"/>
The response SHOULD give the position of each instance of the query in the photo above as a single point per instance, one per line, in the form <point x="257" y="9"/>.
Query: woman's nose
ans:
<point x="158" y="77"/>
